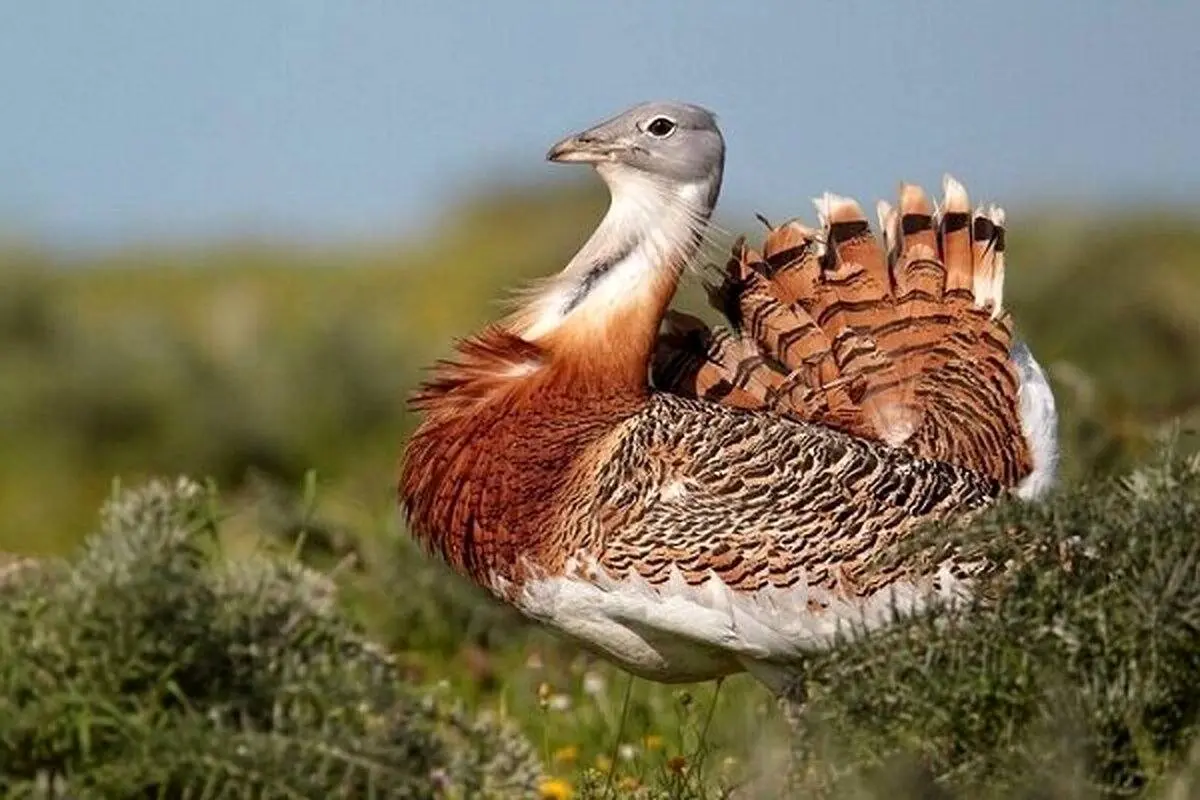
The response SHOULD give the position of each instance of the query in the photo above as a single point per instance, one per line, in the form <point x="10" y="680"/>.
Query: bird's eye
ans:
<point x="661" y="127"/>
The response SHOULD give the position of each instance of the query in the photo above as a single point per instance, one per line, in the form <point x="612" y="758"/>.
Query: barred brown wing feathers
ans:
<point x="760" y="501"/>
<point x="902" y="340"/>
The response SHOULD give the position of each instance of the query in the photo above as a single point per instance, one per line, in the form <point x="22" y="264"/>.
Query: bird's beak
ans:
<point x="583" y="148"/>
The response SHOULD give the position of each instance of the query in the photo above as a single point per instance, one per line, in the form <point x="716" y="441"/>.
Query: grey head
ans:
<point x="677" y="141"/>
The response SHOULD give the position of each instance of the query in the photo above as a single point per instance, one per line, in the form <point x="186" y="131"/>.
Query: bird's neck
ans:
<point x="599" y="318"/>
<point x="513" y="418"/>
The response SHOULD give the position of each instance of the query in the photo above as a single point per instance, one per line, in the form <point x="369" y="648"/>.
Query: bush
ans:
<point x="144" y="669"/>
<point x="1076" y="674"/>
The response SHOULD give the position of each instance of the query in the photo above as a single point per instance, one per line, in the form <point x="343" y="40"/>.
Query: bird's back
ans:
<point x="758" y="500"/>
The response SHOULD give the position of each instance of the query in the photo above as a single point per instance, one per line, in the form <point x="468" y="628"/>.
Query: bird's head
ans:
<point x="678" y="142"/>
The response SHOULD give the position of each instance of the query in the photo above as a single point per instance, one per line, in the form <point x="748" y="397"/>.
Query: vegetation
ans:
<point x="1077" y="671"/>
<point x="252" y="364"/>
<point x="140" y="670"/>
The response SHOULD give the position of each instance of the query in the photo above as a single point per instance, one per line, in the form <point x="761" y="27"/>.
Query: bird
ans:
<point x="692" y="501"/>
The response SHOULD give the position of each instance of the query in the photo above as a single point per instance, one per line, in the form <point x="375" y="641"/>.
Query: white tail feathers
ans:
<point x="1039" y="424"/>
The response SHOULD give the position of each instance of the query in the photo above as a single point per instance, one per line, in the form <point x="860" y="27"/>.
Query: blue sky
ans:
<point x="130" y="120"/>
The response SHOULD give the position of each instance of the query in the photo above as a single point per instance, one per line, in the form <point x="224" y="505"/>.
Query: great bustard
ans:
<point x="695" y="502"/>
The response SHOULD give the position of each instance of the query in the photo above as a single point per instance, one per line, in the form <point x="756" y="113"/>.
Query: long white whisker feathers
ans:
<point x="654" y="229"/>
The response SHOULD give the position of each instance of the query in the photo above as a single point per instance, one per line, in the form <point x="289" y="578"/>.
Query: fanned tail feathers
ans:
<point x="903" y="340"/>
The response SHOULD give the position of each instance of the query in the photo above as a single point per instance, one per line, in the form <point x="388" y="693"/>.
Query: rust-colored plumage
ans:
<point x="724" y="516"/>
<point x="503" y="422"/>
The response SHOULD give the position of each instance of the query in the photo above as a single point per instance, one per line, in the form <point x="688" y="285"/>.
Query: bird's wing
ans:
<point x="761" y="501"/>
<point x="904" y="341"/>
<point x="743" y="531"/>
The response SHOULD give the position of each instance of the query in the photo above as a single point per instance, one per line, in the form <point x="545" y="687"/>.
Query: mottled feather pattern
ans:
<point x="756" y="499"/>
<point x="902" y="340"/>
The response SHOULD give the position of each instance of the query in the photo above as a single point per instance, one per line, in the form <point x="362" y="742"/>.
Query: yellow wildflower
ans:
<point x="603" y="763"/>
<point x="653" y="742"/>
<point x="566" y="755"/>
<point x="555" y="789"/>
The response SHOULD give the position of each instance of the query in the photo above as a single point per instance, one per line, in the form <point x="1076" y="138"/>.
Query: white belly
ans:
<point x="676" y="633"/>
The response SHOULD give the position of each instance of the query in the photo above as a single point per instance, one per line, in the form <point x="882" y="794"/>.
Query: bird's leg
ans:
<point x="793" y="700"/>
<point x="789" y="686"/>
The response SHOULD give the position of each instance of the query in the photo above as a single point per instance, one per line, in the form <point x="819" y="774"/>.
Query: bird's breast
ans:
<point x="491" y="487"/>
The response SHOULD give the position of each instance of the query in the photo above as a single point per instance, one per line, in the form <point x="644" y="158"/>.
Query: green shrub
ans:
<point x="144" y="669"/>
<point x="1077" y="674"/>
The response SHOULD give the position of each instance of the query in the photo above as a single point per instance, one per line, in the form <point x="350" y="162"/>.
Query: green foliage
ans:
<point x="148" y="666"/>
<point x="143" y="669"/>
<point x="1077" y="672"/>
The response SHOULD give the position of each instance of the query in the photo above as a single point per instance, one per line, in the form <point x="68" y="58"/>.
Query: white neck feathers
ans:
<point x="652" y="228"/>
